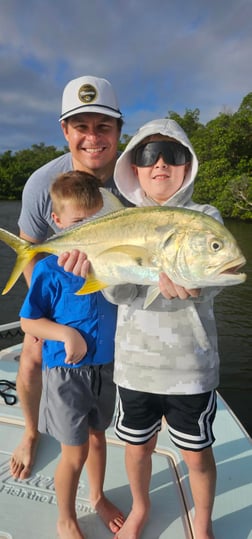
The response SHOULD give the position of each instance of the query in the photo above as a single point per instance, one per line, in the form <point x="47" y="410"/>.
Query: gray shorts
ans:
<point x="74" y="400"/>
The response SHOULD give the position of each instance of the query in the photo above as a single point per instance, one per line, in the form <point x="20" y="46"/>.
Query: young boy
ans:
<point x="78" y="393"/>
<point x="160" y="368"/>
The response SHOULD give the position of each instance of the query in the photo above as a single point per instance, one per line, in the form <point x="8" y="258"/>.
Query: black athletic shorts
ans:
<point x="189" y="418"/>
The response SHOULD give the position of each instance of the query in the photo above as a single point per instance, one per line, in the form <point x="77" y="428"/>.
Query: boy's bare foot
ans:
<point x="202" y="532"/>
<point x="110" y="514"/>
<point x="69" y="529"/>
<point x="23" y="457"/>
<point x="133" y="526"/>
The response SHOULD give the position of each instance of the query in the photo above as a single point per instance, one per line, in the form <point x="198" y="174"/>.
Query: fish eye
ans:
<point x="216" y="245"/>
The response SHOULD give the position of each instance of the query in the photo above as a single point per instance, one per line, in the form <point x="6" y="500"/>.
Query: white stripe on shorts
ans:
<point x="205" y="438"/>
<point x="134" y="436"/>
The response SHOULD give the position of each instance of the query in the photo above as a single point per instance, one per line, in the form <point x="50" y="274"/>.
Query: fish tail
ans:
<point x="24" y="255"/>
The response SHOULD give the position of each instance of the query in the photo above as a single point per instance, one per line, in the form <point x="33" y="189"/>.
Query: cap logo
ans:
<point x="87" y="93"/>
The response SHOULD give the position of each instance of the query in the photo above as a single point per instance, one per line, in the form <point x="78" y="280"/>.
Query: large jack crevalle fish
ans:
<point x="134" y="245"/>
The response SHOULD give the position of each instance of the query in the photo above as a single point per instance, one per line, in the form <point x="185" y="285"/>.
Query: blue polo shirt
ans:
<point x="51" y="295"/>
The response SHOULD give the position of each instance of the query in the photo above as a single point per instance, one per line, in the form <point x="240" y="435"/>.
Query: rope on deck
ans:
<point x="11" y="333"/>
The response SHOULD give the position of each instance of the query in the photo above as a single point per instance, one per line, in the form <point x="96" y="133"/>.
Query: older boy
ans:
<point x="160" y="367"/>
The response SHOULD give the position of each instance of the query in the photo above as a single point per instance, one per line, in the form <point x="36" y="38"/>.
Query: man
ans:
<point x="91" y="122"/>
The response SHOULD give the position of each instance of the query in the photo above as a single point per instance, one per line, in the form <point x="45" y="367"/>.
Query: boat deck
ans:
<point x="28" y="508"/>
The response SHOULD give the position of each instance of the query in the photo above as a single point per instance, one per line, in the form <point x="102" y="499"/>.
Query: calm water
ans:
<point x="233" y="309"/>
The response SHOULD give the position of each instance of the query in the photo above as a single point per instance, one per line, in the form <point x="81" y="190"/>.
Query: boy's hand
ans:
<point x="75" y="346"/>
<point x="171" y="290"/>
<point x="75" y="262"/>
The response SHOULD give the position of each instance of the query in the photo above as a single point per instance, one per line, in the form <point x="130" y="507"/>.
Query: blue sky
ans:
<point x="159" y="55"/>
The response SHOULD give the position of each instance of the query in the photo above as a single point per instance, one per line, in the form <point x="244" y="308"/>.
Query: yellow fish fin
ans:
<point x="25" y="253"/>
<point x="135" y="252"/>
<point x="90" y="286"/>
<point x="152" y="293"/>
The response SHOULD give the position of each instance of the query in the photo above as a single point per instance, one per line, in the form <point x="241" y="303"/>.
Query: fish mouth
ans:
<point x="232" y="268"/>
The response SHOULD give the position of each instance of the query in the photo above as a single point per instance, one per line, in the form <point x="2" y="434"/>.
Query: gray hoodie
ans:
<point x="170" y="347"/>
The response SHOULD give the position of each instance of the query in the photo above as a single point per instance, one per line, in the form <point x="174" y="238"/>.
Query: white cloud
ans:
<point x="159" y="56"/>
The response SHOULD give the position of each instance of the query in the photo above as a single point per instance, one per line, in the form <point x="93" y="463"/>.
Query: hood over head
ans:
<point x="128" y="183"/>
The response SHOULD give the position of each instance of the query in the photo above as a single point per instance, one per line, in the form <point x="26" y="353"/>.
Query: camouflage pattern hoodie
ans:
<point x="170" y="347"/>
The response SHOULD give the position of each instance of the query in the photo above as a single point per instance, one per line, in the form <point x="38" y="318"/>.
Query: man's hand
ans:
<point x="75" y="262"/>
<point x="171" y="290"/>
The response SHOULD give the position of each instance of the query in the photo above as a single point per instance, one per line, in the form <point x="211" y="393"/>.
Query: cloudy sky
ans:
<point x="160" y="55"/>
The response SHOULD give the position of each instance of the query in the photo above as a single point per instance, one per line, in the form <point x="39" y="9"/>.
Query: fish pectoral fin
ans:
<point x="197" y="327"/>
<point x="138" y="254"/>
<point x="90" y="286"/>
<point x="152" y="293"/>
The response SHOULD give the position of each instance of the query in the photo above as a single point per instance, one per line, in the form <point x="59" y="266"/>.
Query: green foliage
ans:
<point x="240" y="190"/>
<point x="224" y="150"/>
<point x="223" y="147"/>
<point x="189" y="122"/>
<point x="16" y="168"/>
<point x="208" y="186"/>
<point x="123" y="142"/>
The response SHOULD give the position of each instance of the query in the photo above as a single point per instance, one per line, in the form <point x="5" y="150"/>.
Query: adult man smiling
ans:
<point x="91" y="122"/>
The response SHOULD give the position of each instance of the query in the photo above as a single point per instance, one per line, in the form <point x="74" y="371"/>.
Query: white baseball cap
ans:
<point x="89" y="94"/>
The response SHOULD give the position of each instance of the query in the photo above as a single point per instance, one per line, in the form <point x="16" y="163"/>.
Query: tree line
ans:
<point x="223" y="147"/>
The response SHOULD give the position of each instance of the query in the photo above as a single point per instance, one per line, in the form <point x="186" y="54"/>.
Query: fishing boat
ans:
<point x="28" y="507"/>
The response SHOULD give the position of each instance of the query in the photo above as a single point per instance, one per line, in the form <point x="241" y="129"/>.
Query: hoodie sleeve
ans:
<point x="207" y="294"/>
<point x="119" y="294"/>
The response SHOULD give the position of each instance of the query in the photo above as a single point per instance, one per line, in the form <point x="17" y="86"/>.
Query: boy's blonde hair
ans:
<point x="78" y="186"/>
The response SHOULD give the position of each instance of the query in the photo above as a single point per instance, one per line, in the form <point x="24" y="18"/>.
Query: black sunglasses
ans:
<point x="172" y="152"/>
